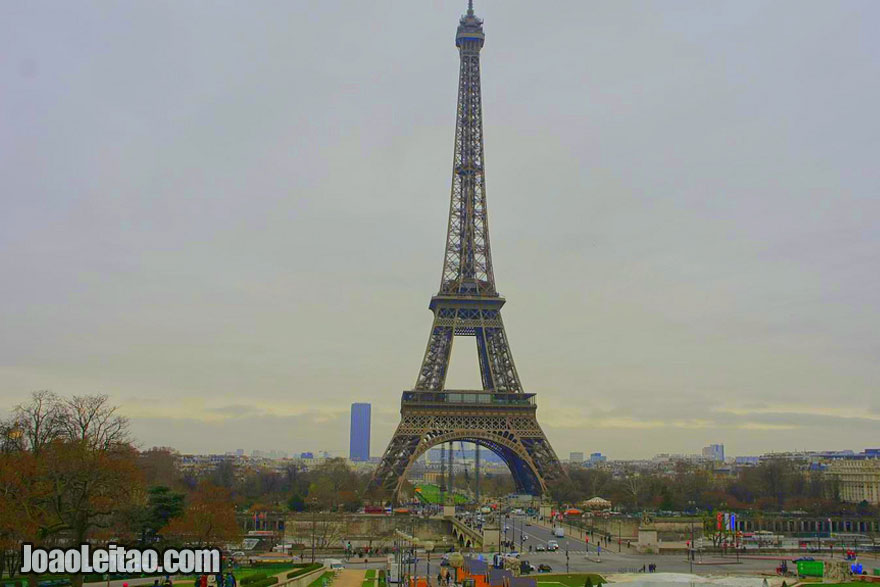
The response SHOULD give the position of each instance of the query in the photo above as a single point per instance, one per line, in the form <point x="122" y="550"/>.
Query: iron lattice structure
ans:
<point x="500" y="416"/>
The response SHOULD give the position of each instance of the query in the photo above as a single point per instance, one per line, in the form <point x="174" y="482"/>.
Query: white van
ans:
<point x="559" y="532"/>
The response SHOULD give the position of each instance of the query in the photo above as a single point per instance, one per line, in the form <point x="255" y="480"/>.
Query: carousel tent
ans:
<point x="597" y="503"/>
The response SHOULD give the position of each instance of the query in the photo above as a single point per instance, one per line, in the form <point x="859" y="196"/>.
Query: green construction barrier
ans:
<point x="811" y="568"/>
<point x="877" y="572"/>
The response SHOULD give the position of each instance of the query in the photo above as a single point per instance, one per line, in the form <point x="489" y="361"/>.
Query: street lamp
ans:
<point x="690" y="553"/>
<point x="521" y="536"/>
<point x="314" y="501"/>
<point x="691" y="550"/>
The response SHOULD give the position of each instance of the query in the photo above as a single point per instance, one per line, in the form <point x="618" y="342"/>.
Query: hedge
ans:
<point x="264" y="582"/>
<point x="251" y="579"/>
<point x="304" y="569"/>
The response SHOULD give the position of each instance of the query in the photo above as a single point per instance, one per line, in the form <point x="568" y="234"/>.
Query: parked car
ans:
<point x="544" y="568"/>
<point x="804" y="559"/>
<point x="552" y="545"/>
<point x="540" y="548"/>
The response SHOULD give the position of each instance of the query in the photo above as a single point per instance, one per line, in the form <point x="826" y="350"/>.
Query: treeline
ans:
<point x="330" y="486"/>
<point x="69" y="474"/>
<point x="771" y="486"/>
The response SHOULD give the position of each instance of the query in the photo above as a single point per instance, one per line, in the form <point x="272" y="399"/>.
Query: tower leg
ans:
<point x="451" y="473"/>
<point x="477" y="472"/>
<point x="442" y="474"/>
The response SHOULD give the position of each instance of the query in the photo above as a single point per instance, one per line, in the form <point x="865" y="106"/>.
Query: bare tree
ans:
<point x="37" y="423"/>
<point x="633" y="487"/>
<point x="93" y="420"/>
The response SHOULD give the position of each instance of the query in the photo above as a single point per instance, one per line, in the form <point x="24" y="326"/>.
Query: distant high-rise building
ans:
<point x="576" y="457"/>
<point x="714" y="452"/>
<point x="359" y="439"/>
<point x="597" y="457"/>
<point x="239" y="452"/>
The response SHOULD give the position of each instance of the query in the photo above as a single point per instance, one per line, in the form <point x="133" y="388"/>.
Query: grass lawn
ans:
<point x="371" y="574"/>
<point x="573" y="580"/>
<point x="320" y="580"/>
<point x="430" y="493"/>
<point x="242" y="572"/>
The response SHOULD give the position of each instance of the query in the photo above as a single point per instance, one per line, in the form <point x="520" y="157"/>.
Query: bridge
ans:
<point x="464" y="535"/>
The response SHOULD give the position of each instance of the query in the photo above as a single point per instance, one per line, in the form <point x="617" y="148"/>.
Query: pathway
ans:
<point x="349" y="578"/>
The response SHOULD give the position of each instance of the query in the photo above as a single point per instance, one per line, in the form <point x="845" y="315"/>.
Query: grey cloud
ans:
<point x="683" y="203"/>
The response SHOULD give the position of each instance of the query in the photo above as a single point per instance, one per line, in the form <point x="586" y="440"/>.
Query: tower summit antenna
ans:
<point x="470" y="8"/>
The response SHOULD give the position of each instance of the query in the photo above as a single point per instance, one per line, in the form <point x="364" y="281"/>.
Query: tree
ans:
<point x="296" y="503"/>
<point x="91" y="419"/>
<point x="23" y="496"/>
<point x="563" y="491"/>
<point x="73" y="472"/>
<point x="37" y="423"/>
<point x="633" y="487"/>
<point x="89" y="487"/>
<point x="224" y="475"/>
<point x="334" y="484"/>
<point x="159" y="467"/>
<point x="208" y="520"/>
<point x="163" y="504"/>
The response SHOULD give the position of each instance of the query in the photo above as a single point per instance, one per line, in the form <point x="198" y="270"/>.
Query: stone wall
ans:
<point x="334" y="531"/>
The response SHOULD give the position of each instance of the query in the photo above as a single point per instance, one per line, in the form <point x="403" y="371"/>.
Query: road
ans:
<point x="609" y="561"/>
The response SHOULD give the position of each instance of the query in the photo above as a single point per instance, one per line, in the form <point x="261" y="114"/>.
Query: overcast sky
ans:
<point x="230" y="216"/>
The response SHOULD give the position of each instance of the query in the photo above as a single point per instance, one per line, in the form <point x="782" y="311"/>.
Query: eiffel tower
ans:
<point x="500" y="416"/>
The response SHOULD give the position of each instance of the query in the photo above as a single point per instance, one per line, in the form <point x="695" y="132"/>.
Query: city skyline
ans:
<point x="685" y="223"/>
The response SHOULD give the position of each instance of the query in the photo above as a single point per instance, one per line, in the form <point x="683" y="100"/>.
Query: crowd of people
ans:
<point x="218" y="580"/>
